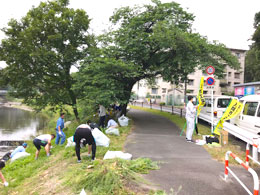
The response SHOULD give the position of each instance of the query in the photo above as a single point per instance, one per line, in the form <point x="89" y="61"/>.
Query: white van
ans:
<point x="220" y="103"/>
<point x="249" y="118"/>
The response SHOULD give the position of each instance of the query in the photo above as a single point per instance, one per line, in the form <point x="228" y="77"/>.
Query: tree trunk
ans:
<point x="128" y="91"/>
<point x="124" y="106"/>
<point x="185" y="92"/>
<point x="74" y="104"/>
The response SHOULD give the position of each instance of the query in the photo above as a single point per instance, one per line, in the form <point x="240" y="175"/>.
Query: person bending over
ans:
<point x="92" y="124"/>
<point x="112" y="124"/>
<point x="21" y="148"/>
<point x="45" y="141"/>
<point x="82" y="137"/>
<point x="2" y="165"/>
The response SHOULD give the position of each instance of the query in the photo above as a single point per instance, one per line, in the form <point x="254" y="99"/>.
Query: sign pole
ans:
<point x="210" y="81"/>
<point x="212" y="114"/>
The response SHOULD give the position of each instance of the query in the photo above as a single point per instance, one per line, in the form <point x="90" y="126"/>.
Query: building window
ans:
<point x="229" y="84"/>
<point x="236" y="83"/>
<point x="238" y="55"/>
<point x="237" y="75"/>
<point x="205" y="92"/>
<point x="154" y="90"/>
<point x="229" y="74"/>
<point x="163" y="90"/>
<point x="191" y="82"/>
<point x="214" y="92"/>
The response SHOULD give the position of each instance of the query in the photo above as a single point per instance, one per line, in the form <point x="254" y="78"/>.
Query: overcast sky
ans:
<point x="227" y="21"/>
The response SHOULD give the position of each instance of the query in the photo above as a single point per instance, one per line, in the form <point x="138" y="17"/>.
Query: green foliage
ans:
<point x="104" y="81"/>
<point x="159" y="40"/>
<point x="146" y="42"/>
<point x="40" y="50"/>
<point x="252" y="64"/>
<point x="162" y="103"/>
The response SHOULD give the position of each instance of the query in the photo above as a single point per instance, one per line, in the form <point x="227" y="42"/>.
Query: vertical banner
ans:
<point x="234" y="108"/>
<point x="200" y="96"/>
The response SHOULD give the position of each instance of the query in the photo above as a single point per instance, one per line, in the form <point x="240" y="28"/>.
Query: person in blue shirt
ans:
<point x="19" y="149"/>
<point x="59" y="130"/>
<point x="112" y="124"/>
<point x="9" y="155"/>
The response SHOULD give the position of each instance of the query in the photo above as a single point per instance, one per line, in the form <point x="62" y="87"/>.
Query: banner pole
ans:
<point x="183" y="128"/>
<point x="212" y="114"/>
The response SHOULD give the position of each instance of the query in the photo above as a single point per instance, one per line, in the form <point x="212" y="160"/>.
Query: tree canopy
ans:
<point x="153" y="40"/>
<point x="40" y="50"/>
<point x="144" y="42"/>
<point x="252" y="67"/>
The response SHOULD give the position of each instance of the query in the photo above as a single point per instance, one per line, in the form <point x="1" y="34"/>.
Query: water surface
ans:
<point x="17" y="124"/>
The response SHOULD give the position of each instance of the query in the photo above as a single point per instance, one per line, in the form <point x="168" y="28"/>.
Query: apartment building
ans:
<point x="164" y="91"/>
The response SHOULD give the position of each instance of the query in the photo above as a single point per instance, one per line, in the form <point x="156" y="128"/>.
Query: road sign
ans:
<point x="210" y="70"/>
<point x="210" y="81"/>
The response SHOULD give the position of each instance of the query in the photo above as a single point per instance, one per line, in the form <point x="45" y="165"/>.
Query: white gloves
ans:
<point x="6" y="183"/>
<point x="60" y="133"/>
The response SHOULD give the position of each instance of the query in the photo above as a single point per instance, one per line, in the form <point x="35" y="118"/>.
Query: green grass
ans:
<point x="60" y="172"/>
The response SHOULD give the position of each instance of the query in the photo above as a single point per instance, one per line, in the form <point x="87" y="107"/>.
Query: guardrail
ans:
<point x="242" y="134"/>
<point x="249" y="169"/>
<point x="248" y="152"/>
<point x="170" y="109"/>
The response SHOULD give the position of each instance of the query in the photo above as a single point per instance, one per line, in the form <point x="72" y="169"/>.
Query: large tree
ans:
<point x="252" y="65"/>
<point x="154" y="40"/>
<point x="40" y="51"/>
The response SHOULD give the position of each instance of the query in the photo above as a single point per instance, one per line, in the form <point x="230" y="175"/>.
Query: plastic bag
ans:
<point x="114" y="131"/>
<point x="83" y="192"/>
<point x="70" y="142"/>
<point x="117" y="154"/>
<point x="100" y="138"/>
<point x="200" y="142"/>
<point x="19" y="155"/>
<point x="123" y="121"/>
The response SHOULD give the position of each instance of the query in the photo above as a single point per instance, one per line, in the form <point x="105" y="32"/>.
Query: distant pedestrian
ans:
<point x="59" y="130"/>
<point x="82" y="137"/>
<point x="102" y="116"/>
<point x="190" y="118"/>
<point x="2" y="165"/>
<point x="45" y="141"/>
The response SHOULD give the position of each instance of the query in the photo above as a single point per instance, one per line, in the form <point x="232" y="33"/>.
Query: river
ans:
<point x="17" y="124"/>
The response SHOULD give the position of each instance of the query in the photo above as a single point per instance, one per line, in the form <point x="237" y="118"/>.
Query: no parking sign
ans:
<point x="210" y="81"/>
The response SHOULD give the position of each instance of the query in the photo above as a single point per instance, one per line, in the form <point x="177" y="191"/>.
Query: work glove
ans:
<point x="60" y="133"/>
<point x="6" y="183"/>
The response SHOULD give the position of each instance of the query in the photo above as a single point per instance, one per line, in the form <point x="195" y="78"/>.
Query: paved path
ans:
<point x="183" y="164"/>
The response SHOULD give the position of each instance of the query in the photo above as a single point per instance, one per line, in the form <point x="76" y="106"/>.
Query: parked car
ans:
<point x="249" y="118"/>
<point x="139" y="101"/>
<point x="220" y="103"/>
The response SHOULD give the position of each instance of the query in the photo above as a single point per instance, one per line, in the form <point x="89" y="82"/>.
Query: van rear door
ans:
<point x="257" y="120"/>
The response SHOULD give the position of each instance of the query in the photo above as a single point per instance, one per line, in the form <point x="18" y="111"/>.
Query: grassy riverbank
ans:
<point x="217" y="153"/>
<point x="61" y="174"/>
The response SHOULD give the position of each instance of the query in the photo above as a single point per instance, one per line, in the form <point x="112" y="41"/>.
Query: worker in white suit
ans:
<point x="190" y="118"/>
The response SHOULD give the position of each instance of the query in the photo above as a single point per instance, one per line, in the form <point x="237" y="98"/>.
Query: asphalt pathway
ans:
<point x="182" y="165"/>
